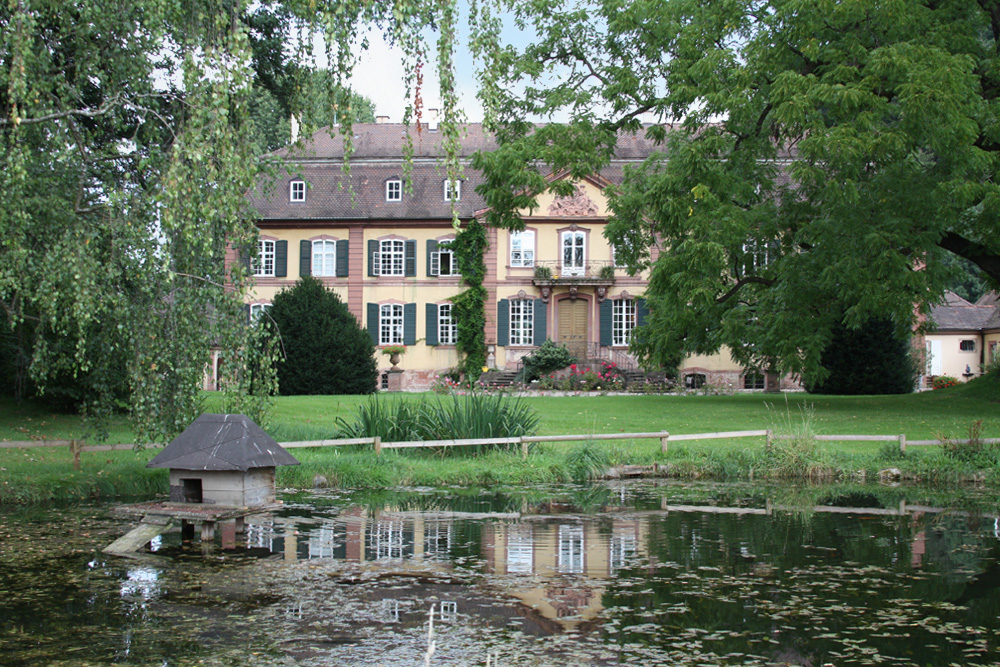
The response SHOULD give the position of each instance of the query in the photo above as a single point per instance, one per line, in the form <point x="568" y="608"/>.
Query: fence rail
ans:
<point x="78" y="446"/>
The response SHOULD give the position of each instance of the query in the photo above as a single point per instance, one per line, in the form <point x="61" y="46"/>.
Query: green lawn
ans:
<point x="919" y="416"/>
<point x="37" y="474"/>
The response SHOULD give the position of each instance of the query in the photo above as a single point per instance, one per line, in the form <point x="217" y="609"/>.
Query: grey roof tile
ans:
<point x="222" y="442"/>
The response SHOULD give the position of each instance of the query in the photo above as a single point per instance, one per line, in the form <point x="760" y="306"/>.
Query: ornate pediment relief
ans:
<point x="577" y="204"/>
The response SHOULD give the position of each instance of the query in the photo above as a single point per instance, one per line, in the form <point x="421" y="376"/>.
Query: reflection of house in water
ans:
<point x="571" y="561"/>
<point x="557" y="567"/>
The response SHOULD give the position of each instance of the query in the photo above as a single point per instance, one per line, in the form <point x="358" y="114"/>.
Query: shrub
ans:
<point x="875" y="358"/>
<point x="326" y="350"/>
<point x="547" y="358"/>
<point x="943" y="382"/>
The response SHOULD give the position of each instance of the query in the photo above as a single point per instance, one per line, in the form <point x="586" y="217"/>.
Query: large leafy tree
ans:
<point x="127" y="150"/>
<point x="819" y="158"/>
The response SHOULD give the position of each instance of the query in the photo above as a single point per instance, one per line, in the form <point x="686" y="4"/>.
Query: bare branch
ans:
<point x="82" y="113"/>
<point x="741" y="283"/>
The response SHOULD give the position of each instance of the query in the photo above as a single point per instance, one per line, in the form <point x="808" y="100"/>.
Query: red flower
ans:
<point x="572" y="366"/>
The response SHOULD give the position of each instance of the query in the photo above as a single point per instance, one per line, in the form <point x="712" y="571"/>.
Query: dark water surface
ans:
<point x="650" y="574"/>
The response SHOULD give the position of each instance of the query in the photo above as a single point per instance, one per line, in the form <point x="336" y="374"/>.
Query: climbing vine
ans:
<point x="469" y="307"/>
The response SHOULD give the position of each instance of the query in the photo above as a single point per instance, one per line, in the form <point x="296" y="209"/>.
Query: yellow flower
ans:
<point x="486" y="368"/>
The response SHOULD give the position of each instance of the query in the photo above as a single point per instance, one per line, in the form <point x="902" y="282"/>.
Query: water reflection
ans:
<point x="667" y="575"/>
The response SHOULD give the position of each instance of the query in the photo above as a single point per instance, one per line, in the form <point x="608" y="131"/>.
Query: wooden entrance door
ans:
<point x="573" y="319"/>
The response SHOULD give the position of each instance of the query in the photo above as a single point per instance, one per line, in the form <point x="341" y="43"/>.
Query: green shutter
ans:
<point x="538" y="335"/>
<point x="280" y="259"/>
<point x="305" y="258"/>
<point x="431" y="312"/>
<point x="432" y="247"/>
<point x="409" y="324"/>
<point x="343" y="258"/>
<point x="373" y="321"/>
<point x="372" y="249"/>
<point x="245" y="257"/>
<point x="641" y="312"/>
<point x="606" y="322"/>
<point x="503" y="322"/>
<point x="410" y="262"/>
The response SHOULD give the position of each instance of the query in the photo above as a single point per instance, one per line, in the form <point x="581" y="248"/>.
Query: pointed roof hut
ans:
<point x="224" y="460"/>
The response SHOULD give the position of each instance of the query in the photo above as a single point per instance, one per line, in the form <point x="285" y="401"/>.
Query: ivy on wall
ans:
<point x="469" y="307"/>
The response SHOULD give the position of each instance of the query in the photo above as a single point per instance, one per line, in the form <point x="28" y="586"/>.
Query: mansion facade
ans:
<point x="380" y="238"/>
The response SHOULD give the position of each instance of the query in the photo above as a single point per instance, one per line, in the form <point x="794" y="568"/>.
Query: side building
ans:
<point x="380" y="238"/>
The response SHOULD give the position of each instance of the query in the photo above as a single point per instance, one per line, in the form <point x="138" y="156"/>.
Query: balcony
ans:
<point x="599" y="274"/>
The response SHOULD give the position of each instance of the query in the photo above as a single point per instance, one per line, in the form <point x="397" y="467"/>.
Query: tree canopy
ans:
<point x="820" y="158"/>
<point x="128" y="148"/>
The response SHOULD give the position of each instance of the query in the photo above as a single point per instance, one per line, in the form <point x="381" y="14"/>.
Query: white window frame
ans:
<point x="522" y="248"/>
<point x="570" y="549"/>
<point x="387" y="541"/>
<point x="444" y="257"/>
<point x="452" y="194"/>
<point x="297" y="191"/>
<point x="573" y="250"/>
<point x="394" y="190"/>
<point x="624" y="316"/>
<point x="756" y="256"/>
<point x="390" y="260"/>
<point x="522" y="322"/>
<point x="390" y="324"/>
<point x="257" y="310"/>
<point x="447" y="326"/>
<point x="520" y="549"/>
<point x="264" y="264"/>
<point x="324" y="257"/>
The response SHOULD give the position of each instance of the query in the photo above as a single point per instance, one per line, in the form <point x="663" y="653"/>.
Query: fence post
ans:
<point x="767" y="445"/>
<point x="377" y="441"/>
<point x="902" y="443"/>
<point x="524" y="449"/>
<point x="663" y="442"/>
<point x="74" y="449"/>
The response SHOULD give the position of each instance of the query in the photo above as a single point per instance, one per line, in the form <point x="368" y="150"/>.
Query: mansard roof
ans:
<point x="378" y="156"/>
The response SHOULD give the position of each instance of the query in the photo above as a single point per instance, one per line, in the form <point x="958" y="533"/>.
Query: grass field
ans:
<point x="40" y="474"/>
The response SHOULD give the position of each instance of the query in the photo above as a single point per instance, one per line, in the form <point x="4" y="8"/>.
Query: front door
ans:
<point x="573" y="318"/>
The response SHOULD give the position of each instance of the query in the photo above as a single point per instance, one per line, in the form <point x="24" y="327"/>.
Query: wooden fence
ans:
<point x="78" y="446"/>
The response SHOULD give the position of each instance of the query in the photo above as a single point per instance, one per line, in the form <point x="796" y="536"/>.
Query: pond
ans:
<point x="626" y="573"/>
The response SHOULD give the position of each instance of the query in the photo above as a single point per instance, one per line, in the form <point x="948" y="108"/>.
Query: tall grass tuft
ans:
<point x="456" y="417"/>
<point x="794" y="452"/>
<point x="587" y="462"/>
<point x="390" y="420"/>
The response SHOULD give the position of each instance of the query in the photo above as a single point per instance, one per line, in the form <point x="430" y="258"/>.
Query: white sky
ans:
<point x="379" y="75"/>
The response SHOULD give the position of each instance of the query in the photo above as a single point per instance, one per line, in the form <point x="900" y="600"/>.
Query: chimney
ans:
<point x="432" y="120"/>
<point x="381" y="119"/>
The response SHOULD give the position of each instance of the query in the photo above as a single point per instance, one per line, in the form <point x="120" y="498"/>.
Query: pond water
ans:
<point x="643" y="573"/>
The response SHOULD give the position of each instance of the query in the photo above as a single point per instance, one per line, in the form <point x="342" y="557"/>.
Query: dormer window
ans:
<point x="452" y="190"/>
<point x="297" y="191"/>
<point x="394" y="190"/>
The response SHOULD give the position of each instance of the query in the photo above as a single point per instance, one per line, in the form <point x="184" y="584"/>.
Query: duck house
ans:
<point x="223" y="460"/>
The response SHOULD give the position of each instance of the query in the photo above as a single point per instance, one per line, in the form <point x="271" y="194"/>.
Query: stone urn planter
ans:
<point x="395" y="354"/>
